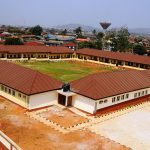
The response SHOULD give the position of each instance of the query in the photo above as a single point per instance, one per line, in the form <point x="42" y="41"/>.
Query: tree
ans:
<point x="94" y="32"/>
<point x="78" y="31"/>
<point x="64" y="32"/>
<point x="122" y="39"/>
<point x="15" y="30"/>
<point x="37" y="30"/>
<point x="119" y="39"/>
<point x="85" y="45"/>
<point x="13" y="41"/>
<point x="100" y="35"/>
<point x="139" y="49"/>
<point x="98" y="44"/>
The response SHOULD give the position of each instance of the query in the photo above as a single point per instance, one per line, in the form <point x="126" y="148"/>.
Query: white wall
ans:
<point x="43" y="99"/>
<point x="83" y="103"/>
<point x="110" y="103"/>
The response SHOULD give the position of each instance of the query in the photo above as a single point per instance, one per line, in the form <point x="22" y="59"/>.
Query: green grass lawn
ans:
<point x="66" y="71"/>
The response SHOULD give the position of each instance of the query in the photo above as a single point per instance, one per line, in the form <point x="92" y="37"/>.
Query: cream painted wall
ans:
<point x="43" y="99"/>
<point x="16" y="99"/>
<point x="110" y="103"/>
<point x="83" y="103"/>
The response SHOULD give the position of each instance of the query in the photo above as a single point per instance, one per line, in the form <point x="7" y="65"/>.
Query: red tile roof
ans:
<point x="115" y="55"/>
<point x="34" y="49"/>
<point x="2" y="35"/>
<point x="70" y="44"/>
<point x="82" y="40"/>
<point x="26" y="80"/>
<point x="34" y="43"/>
<point x="102" y="85"/>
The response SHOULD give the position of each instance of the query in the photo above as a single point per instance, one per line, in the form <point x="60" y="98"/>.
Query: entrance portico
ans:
<point x="65" y="98"/>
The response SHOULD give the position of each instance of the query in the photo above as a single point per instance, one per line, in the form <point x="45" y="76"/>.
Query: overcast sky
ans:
<point x="131" y="13"/>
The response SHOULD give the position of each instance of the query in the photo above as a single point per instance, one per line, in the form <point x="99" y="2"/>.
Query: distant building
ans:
<point x="71" y="45"/>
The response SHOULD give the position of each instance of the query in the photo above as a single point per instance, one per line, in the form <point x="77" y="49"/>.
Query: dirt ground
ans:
<point x="33" y="135"/>
<point x="64" y="118"/>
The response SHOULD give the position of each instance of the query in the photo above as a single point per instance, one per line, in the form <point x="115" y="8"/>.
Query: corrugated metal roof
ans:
<point x="102" y="85"/>
<point x="26" y="80"/>
<point x="115" y="55"/>
<point x="35" y="49"/>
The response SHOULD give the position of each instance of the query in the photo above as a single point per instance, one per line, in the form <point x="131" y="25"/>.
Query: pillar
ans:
<point x="6" y="55"/>
<point x="66" y="101"/>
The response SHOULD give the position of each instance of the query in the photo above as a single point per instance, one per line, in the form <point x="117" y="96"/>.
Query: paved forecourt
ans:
<point x="131" y="129"/>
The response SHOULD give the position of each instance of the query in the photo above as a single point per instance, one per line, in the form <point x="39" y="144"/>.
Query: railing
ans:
<point x="8" y="143"/>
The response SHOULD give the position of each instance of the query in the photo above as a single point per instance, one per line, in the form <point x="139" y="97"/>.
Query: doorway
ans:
<point x="69" y="103"/>
<point x="61" y="99"/>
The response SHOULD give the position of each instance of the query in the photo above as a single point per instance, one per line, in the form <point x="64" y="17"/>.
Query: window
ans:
<point x="2" y="87"/>
<point x="139" y="93"/>
<point x="135" y="95"/>
<point x="113" y="99"/>
<point x="13" y="93"/>
<point x="105" y="101"/>
<point x="146" y="92"/>
<point x="5" y="89"/>
<point x="100" y="102"/>
<point x="127" y="95"/>
<point x="118" y="98"/>
<point x="122" y="97"/>
<point x="9" y="91"/>
<point x="19" y="95"/>
<point x="24" y="96"/>
<point x="142" y="92"/>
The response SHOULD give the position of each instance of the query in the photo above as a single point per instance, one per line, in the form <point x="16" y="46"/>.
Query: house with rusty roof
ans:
<point x="47" y="53"/>
<point x="114" y="58"/>
<point x="28" y="88"/>
<point x="41" y="53"/>
<point x="32" y="89"/>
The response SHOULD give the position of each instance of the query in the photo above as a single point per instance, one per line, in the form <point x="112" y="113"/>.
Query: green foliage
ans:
<point x="85" y="45"/>
<point x="37" y="30"/>
<point x="100" y="35"/>
<point x="96" y="44"/>
<point x="94" y="32"/>
<point x="64" y="32"/>
<point x="119" y="39"/>
<point x="78" y="32"/>
<point x="15" y="30"/>
<point x="13" y="41"/>
<point x="139" y="49"/>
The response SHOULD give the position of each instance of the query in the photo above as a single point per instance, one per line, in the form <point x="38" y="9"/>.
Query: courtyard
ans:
<point x="67" y="71"/>
<point x="31" y="134"/>
<point x="131" y="129"/>
<point x="64" y="118"/>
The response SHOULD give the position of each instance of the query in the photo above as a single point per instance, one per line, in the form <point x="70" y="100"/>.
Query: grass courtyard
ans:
<point x="67" y="71"/>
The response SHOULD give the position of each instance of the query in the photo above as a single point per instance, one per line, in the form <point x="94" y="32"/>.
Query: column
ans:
<point x="6" y="55"/>
<point x="66" y="101"/>
<point x="21" y="56"/>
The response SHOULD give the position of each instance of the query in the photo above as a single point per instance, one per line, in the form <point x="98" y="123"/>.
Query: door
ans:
<point x="62" y="99"/>
<point x="69" y="101"/>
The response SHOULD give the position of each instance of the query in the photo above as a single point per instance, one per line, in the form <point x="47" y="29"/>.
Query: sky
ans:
<point x="48" y="13"/>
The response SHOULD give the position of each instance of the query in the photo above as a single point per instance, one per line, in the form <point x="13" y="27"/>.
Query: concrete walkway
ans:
<point x="130" y="127"/>
<point x="91" y="119"/>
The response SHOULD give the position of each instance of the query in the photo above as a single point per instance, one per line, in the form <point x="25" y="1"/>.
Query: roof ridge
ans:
<point x="36" y="72"/>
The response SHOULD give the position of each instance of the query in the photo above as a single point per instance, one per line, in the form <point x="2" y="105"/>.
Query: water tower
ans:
<point x="105" y="26"/>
